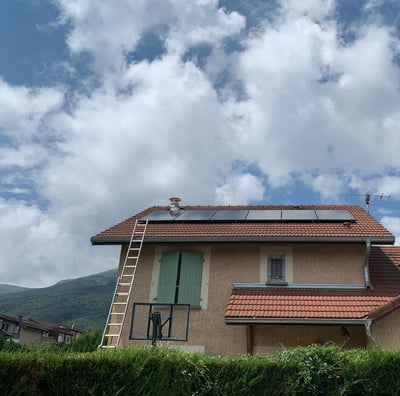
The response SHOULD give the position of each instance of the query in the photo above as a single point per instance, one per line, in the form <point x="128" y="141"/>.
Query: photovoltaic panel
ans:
<point x="196" y="215"/>
<point x="267" y="215"/>
<point x="229" y="215"/>
<point x="334" y="215"/>
<point x="159" y="215"/>
<point x="299" y="214"/>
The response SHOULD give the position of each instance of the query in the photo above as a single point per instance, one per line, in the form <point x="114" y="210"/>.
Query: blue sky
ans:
<point x="109" y="107"/>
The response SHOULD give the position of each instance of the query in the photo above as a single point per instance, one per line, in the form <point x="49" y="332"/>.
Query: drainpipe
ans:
<point x="366" y="263"/>
<point x="368" y="324"/>
<point x="249" y="339"/>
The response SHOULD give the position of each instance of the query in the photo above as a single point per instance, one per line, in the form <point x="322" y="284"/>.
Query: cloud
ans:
<point x="315" y="104"/>
<point x="392" y="224"/>
<point x="240" y="188"/>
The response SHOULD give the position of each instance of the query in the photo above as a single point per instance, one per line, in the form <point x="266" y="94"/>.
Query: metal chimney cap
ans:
<point x="175" y="200"/>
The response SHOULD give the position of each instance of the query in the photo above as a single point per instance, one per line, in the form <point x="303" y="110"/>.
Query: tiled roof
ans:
<point x="364" y="226"/>
<point x="294" y="303"/>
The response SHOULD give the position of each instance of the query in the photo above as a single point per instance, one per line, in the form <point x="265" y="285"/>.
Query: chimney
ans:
<point x="174" y="208"/>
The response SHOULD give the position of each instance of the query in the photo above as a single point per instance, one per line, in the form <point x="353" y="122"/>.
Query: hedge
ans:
<point x="159" y="371"/>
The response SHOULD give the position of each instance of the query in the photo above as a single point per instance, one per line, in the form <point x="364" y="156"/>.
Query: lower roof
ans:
<point x="272" y="304"/>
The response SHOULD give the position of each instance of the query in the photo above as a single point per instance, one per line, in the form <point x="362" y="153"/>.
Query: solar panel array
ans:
<point x="272" y="215"/>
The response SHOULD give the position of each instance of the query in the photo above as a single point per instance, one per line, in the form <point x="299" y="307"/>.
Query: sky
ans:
<point x="109" y="107"/>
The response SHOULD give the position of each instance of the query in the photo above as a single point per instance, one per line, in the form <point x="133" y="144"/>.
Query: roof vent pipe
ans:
<point x="174" y="208"/>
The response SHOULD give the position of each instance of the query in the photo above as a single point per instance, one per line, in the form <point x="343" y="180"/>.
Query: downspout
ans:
<point x="368" y="323"/>
<point x="249" y="339"/>
<point x="366" y="263"/>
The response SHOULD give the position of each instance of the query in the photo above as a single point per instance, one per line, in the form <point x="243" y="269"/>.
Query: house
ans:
<point x="255" y="279"/>
<point x="29" y="331"/>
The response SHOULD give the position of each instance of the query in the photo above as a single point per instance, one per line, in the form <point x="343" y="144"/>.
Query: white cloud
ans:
<point x="315" y="105"/>
<point x="23" y="109"/>
<point x="392" y="224"/>
<point x="239" y="188"/>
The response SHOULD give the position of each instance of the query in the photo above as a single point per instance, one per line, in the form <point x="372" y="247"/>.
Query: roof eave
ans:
<point x="196" y="239"/>
<point x="308" y="321"/>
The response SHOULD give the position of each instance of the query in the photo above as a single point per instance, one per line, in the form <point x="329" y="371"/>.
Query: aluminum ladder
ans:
<point x="123" y="289"/>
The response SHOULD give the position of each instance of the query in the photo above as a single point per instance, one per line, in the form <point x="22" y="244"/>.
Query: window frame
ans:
<point x="280" y="273"/>
<point x="268" y="251"/>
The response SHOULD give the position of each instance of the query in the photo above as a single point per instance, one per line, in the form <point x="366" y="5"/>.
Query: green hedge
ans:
<point x="160" y="371"/>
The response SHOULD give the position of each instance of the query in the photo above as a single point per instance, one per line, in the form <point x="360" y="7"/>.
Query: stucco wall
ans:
<point x="386" y="331"/>
<point x="325" y="263"/>
<point x="230" y="263"/>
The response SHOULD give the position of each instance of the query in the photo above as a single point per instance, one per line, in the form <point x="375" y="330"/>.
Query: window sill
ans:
<point x="276" y="282"/>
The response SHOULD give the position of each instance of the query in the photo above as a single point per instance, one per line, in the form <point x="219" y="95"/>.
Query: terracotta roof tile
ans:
<point x="363" y="226"/>
<point x="286" y="302"/>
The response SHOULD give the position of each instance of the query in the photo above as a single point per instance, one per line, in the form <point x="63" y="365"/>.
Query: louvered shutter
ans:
<point x="167" y="278"/>
<point x="190" y="278"/>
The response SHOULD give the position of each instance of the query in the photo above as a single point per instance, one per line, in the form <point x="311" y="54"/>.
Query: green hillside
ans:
<point x="83" y="301"/>
<point x="6" y="290"/>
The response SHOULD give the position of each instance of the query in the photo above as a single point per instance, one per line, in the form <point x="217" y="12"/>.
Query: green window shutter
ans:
<point x="167" y="277"/>
<point x="190" y="278"/>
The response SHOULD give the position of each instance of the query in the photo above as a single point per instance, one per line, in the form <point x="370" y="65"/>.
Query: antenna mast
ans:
<point x="368" y="197"/>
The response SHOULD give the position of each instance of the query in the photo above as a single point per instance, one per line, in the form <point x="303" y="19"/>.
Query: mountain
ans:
<point x="6" y="290"/>
<point x="82" y="301"/>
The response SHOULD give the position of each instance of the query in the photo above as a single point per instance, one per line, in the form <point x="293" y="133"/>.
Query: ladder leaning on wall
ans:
<point x="123" y="289"/>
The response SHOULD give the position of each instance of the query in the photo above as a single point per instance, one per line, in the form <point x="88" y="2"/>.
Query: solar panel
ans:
<point x="267" y="215"/>
<point x="229" y="215"/>
<point x="334" y="215"/>
<point x="196" y="215"/>
<point x="159" y="215"/>
<point x="299" y="214"/>
<point x="261" y="214"/>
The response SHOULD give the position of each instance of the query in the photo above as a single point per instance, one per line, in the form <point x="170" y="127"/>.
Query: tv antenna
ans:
<point x="369" y="196"/>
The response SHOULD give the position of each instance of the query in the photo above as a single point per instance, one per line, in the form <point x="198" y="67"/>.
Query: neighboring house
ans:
<point x="28" y="331"/>
<point x="260" y="278"/>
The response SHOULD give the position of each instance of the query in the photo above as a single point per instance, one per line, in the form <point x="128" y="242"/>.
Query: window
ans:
<point x="180" y="278"/>
<point x="276" y="269"/>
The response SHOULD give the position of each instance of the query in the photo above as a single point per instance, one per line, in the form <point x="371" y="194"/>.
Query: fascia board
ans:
<point x="308" y="321"/>
<point x="122" y="240"/>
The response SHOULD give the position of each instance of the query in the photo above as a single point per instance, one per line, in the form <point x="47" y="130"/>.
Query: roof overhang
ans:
<point x="123" y="240"/>
<point x="302" y="321"/>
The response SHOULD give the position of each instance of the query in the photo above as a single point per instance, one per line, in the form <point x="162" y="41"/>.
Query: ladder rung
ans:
<point x="135" y="248"/>
<point x="122" y="294"/>
<point x="111" y="335"/>
<point x="120" y="303"/>
<point x="130" y="266"/>
<point x="115" y="324"/>
<point x="132" y="257"/>
<point x="127" y="275"/>
<point x="124" y="284"/>
<point x="117" y="313"/>
<point x="108" y="346"/>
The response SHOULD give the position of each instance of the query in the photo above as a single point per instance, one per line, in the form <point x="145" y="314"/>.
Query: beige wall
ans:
<point x="28" y="336"/>
<point x="325" y="263"/>
<point x="386" y="331"/>
<point x="230" y="263"/>
<point x="271" y="338"/>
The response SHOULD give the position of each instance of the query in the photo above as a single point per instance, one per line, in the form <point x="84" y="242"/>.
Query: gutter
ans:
<point x="252" y="320"/>
<point x="202" y="239"/>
